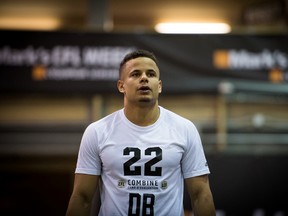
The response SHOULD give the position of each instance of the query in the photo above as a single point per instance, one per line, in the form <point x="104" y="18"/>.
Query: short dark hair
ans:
<point x="136" y="54"/>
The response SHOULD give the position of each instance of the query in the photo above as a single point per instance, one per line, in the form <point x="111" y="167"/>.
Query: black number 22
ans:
<point x="148" y="171"/>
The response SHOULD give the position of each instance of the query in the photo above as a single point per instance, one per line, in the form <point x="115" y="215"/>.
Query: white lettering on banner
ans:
<point x="266" y="59"/>
<point x="64" y="56"/>
<point x="57" y="56"/>
<point x="67" y="62"/>
<point x="44" y="56"/>
<point x="67" y="55"/>
<point x="104" y="56"/>
<point x="81" y="74"/>
<point x="66" y="74"/>
<point x="273" y="63"/>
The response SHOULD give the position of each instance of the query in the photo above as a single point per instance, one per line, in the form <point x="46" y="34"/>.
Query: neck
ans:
<point x="142" y="115"/>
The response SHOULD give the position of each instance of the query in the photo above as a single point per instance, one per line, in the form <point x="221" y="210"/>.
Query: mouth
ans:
<point x="144" y="89"/>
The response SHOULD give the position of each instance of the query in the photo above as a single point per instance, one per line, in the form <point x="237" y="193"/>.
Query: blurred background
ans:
<point x="58" y="73"/>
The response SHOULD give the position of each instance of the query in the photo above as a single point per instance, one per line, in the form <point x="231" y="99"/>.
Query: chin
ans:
<point x="145" y="100"/>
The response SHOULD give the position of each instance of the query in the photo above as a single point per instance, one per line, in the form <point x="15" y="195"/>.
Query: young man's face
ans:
<point x="140" y="81"/>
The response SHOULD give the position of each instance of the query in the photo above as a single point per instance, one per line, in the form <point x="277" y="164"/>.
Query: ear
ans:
<point x="160" y="86"/>
<point x="120" y="86"/>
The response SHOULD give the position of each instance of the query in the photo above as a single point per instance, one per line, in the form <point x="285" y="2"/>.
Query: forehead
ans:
<point x="141" y="63"/>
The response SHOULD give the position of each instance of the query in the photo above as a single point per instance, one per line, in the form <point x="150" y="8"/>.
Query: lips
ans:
<point x="144" y="88"/>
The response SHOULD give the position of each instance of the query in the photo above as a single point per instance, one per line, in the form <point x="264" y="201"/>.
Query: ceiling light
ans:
<point x="193" y="28"/>
<point x="29" y="23"/>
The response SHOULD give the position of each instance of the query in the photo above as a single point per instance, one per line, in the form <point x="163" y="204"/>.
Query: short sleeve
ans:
<point x="88" y="161"/>
<point x="194" y="162"/>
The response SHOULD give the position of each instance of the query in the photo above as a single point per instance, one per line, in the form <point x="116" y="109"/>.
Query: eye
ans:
<point x="135" y="74"/>
<point x="151" y="74"/>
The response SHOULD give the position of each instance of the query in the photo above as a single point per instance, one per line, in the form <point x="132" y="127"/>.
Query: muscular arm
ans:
<point x="201" y="196"/>
<point x="82" y="195"/>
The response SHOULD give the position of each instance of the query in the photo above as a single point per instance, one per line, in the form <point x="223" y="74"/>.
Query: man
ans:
<point x="141" y="153"/>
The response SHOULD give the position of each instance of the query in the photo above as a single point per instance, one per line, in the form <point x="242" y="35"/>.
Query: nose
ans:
<point x="144" y="77"/>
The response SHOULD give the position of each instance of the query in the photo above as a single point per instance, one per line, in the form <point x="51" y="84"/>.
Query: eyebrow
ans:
<point x="149" y="70"/>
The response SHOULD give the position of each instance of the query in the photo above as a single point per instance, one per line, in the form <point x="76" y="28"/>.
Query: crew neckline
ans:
<point x="142" y="128"/>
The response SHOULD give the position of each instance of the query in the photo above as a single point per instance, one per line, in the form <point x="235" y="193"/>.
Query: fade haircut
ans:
<point x="136" y="54"/>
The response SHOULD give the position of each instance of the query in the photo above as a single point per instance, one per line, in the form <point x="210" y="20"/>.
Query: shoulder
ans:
<point x="98" y="131"/>
<point x="177" y="119"/>
<point x="178" y="123"/>
<point x="105" y="123"/>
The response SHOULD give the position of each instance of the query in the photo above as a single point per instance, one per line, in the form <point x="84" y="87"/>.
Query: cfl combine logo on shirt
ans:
<point x="121" y="183"/>
<point x="142" y="184"/>
<point x="149" y="168"/>
<point x="139" y="184"/>
<point x="164" y="185"/>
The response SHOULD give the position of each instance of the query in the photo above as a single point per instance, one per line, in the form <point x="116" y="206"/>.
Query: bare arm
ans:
<point x="201" y="196"/>
<point x="82" y="195"/>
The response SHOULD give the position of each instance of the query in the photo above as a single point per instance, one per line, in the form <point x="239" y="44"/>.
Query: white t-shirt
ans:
<point x="142" y="168"/>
